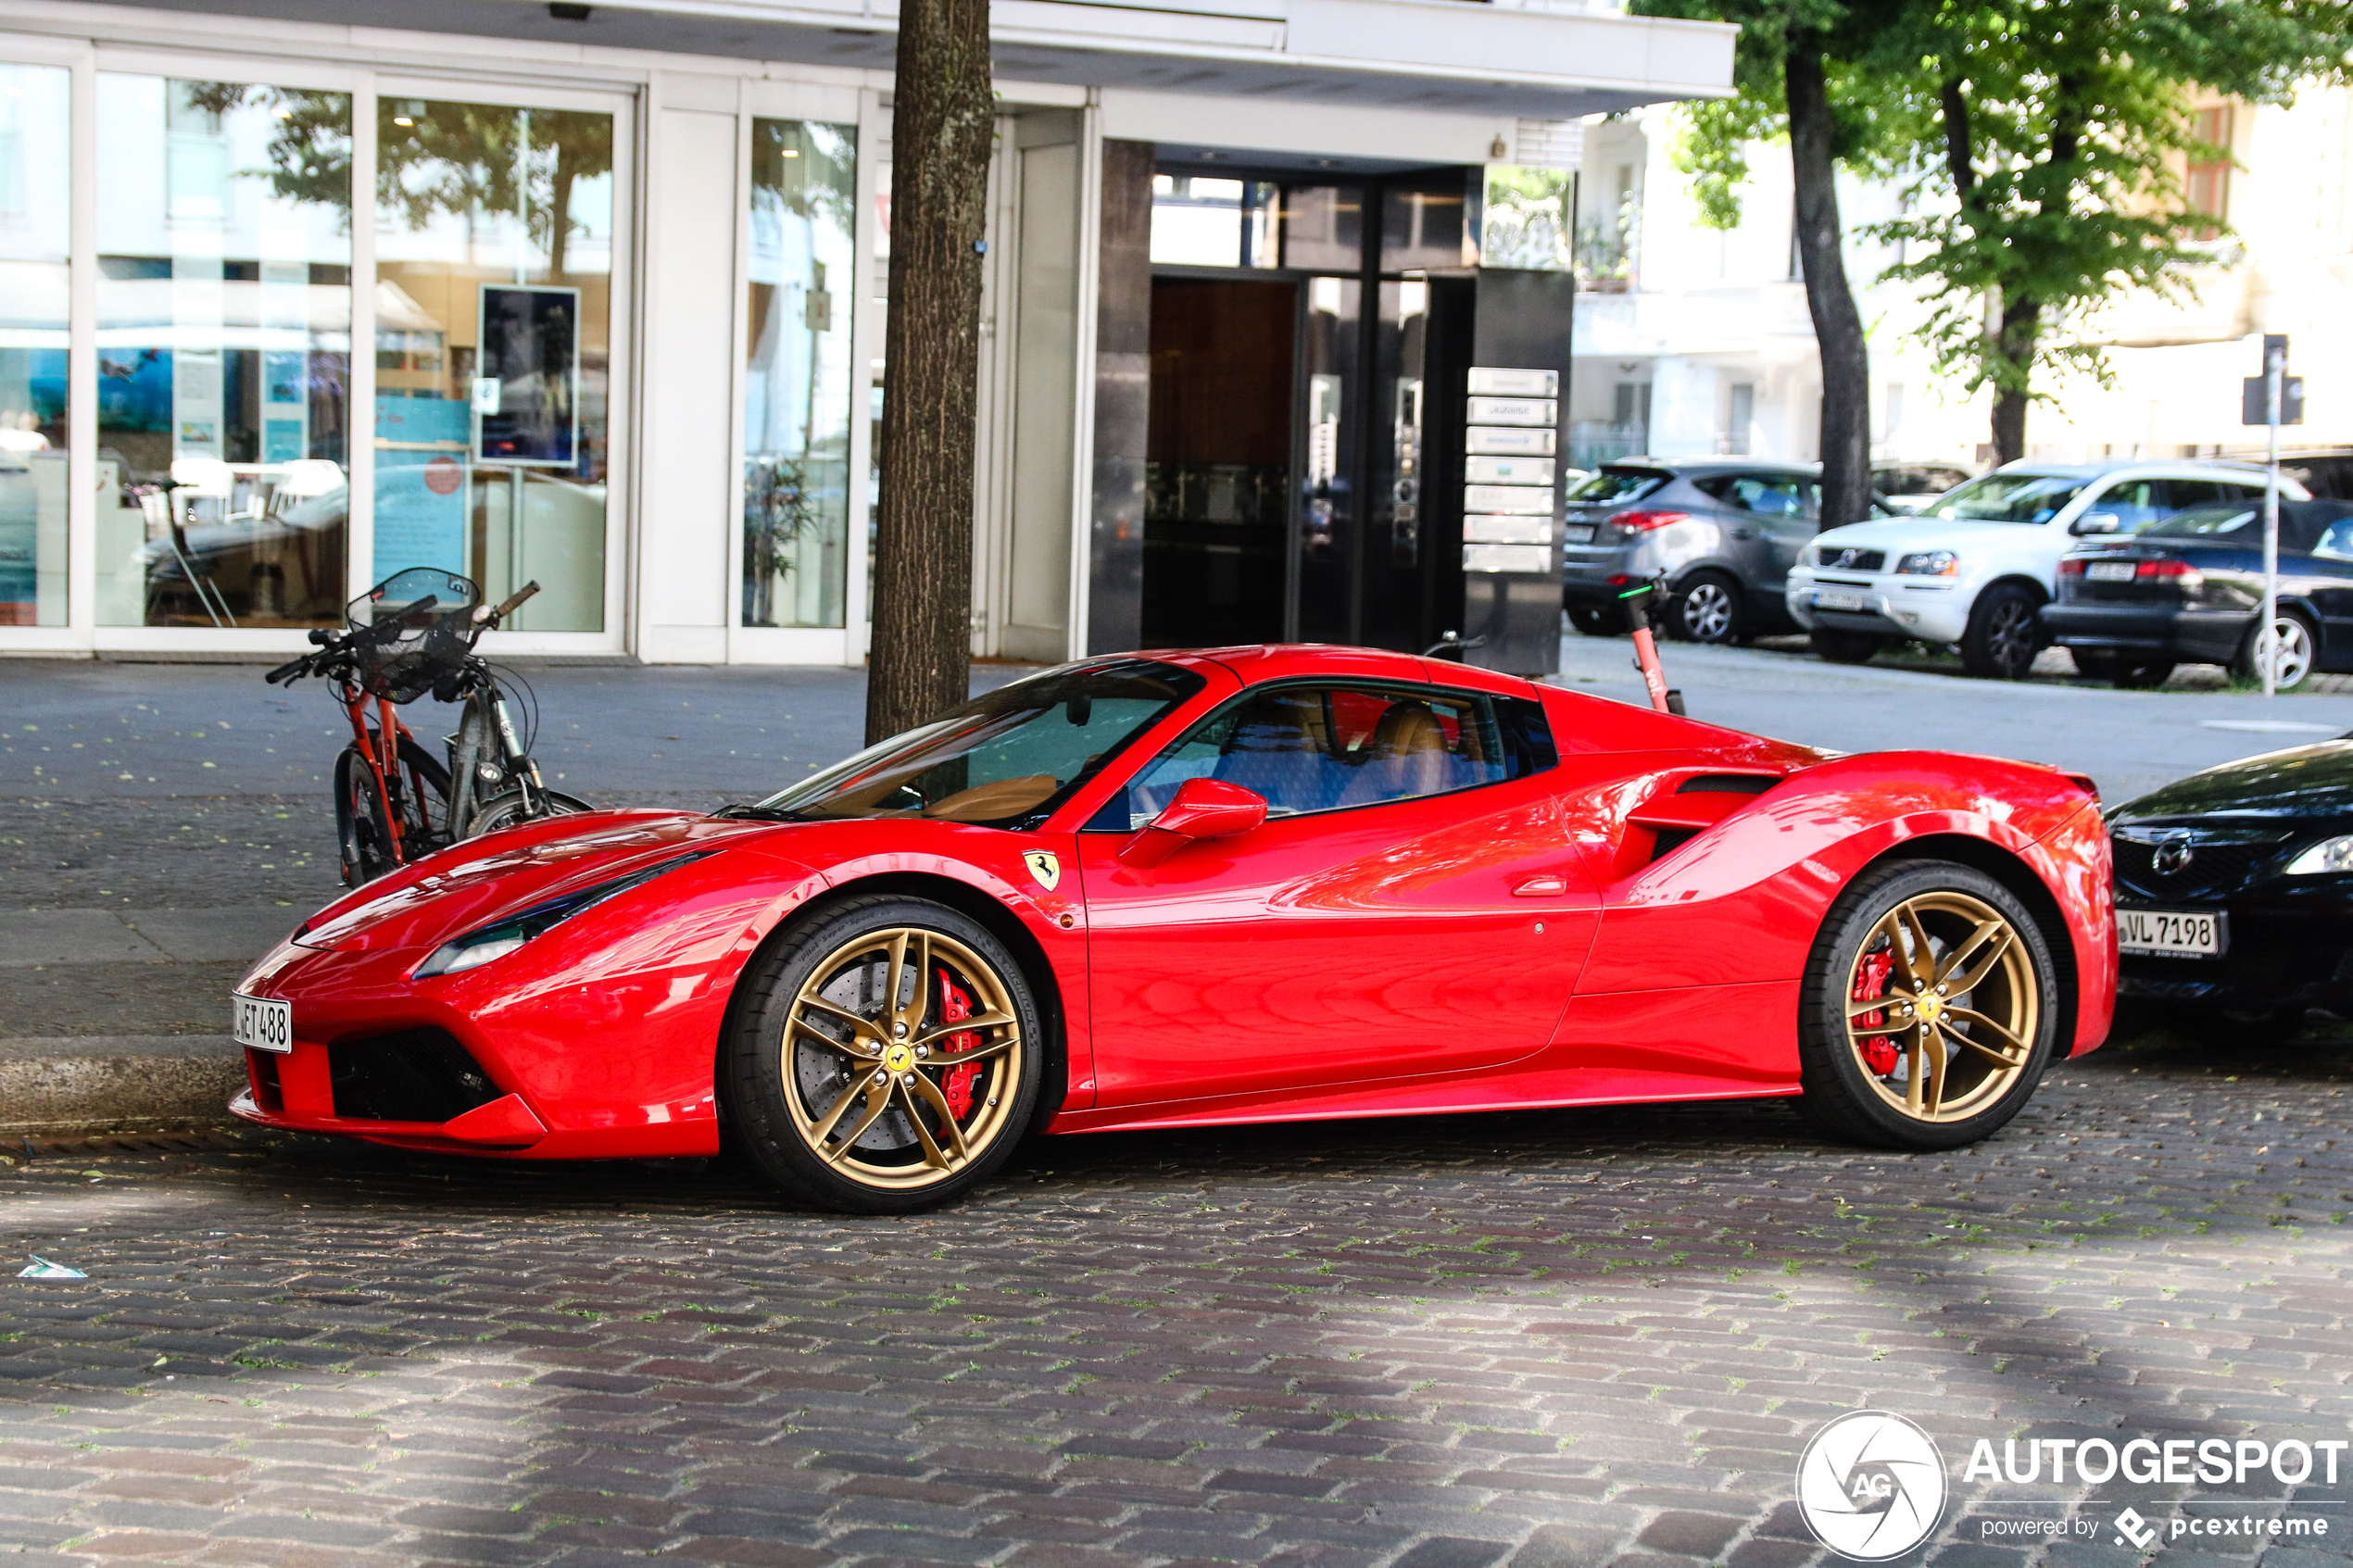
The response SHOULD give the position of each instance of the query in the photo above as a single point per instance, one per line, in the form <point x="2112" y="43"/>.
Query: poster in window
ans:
<point x="527" y="381"/>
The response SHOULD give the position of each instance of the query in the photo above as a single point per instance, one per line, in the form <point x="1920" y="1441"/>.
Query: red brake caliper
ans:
<point x="954" y="1008"/>
<point x="1870" y="984"/>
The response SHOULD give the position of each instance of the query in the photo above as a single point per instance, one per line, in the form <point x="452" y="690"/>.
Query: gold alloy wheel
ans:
<point x="1943" y="1007"/>
<point x="888" y="1085"/>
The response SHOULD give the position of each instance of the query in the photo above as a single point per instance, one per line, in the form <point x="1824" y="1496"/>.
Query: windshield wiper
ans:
<point x="757" y="813"/>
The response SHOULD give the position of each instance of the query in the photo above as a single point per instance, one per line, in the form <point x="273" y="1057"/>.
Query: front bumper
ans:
<point x="1928" y="610"/>
<point x="474" y="1063"/>
<point x="2186" y="636"/>
<point x="2285" y="955"/>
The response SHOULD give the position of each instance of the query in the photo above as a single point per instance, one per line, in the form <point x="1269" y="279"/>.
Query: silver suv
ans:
<point x="1726" y="531"/>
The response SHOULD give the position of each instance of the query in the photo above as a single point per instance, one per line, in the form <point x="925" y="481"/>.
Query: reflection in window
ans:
<point x="1206" y="220"/>
<point x="494" y="309"/>
<point x="796" y="398"/>
<point x="224" y="352"/>
<point x="35" y="171"/>
<point x="1526" y="217"/>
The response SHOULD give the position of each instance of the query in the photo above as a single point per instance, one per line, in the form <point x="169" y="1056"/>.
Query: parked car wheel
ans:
<point x="1845" y="647"/>
<point x="2003" y="633"/>
<point x="885" y="1058"/>
<point x="1708" y="610"/>
<point x="1929" y="1008"/>
<point x="2291" y="664"/>
<point x="1596" y="621"/>
<point x="2130" y="673"/>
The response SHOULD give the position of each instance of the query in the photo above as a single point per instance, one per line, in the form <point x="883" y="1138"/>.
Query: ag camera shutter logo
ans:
<point x="1871" y="1486"/>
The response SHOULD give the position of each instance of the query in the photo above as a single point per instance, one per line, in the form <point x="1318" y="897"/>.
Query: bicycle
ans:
<point x="413" y="634"/>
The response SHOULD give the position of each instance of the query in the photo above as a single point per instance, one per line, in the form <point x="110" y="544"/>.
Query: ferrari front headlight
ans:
<point x="479" y="946"/>
<point x="2329" y="857"/>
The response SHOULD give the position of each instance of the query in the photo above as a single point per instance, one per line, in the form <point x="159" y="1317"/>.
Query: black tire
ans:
<point x="2005" y="632"/>
<point x="473" y="749"/>
<point x="362" y="840"/>
<point x="1710" y="608"/>
<point x="787" y="1089"/>
<point x="1966" y="1090"/>
<point x="1845" y="647"/>
<point x="2302" y="661"/>
<point x="2142" y="675"/>
<point x="421" y="798"/>
<point x="1598" y="620"/>
<point x="505" y="811"/>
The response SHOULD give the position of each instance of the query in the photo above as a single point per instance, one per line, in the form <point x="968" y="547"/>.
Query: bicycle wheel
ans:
<point x="474" y="752"/>
<point x="424" y="801"/>
<point x="507" y="810"/>
<point x="362" y="839"/>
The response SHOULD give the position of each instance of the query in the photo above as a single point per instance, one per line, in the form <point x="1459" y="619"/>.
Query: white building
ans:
<point x="1702" y="343"/>
<point x="613" y="274"/>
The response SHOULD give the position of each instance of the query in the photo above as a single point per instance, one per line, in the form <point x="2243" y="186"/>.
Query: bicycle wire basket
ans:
<point x="416" y="627"/>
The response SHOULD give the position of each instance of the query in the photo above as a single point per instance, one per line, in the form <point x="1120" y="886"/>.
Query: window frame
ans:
<point x="1094" y="824"/>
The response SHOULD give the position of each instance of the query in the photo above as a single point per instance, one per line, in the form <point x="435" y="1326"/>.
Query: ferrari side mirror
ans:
<point x="1202" y="808"/>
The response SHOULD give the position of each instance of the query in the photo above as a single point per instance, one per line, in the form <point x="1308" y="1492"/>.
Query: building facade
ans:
<point x="593" y="296"/>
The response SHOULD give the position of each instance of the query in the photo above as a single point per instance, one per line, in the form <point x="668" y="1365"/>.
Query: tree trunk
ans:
<point x="1838" y="325"/>
<point x="942" y="121"/>
<point x="2021" y="325"/>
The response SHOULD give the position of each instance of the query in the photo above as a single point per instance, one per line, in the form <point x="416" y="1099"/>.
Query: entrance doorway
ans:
<point x="1217" y="460"/>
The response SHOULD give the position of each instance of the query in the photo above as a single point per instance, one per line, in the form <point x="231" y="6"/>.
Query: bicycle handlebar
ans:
<point x="288" y="671"/>
<point x="507" y="605"/>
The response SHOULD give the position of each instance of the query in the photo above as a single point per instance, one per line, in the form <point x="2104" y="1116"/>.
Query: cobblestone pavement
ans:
<point x="1598" y="1336"/>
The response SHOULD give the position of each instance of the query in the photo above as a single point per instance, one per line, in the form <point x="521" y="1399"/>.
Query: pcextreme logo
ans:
<point x="1871" y="1486"/>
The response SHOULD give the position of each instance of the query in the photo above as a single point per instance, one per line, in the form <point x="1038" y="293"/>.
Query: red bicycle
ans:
<point x="395" y="802"/>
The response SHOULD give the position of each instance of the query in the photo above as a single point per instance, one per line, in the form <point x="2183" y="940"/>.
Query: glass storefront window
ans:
<point x="494" y="314"/>
<point x="35" y="170"/>
<point x="224" y="344"/>
<point x="796" y="397"/>
<point x="1204" y="220"/>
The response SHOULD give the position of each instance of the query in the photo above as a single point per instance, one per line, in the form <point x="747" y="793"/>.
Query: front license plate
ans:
<point x="2111" y="570"/>
<point x="1831" y="598"/>
<point x="1578" y="533"/>
<point x="261" y="1024"/>
<point x="2172" y="934"/>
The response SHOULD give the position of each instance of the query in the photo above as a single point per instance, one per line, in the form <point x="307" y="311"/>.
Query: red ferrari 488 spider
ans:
<point x="1181" y="889"/>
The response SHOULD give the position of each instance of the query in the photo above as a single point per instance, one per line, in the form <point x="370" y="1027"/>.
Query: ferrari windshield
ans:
<point x="2007" y="497"/>
<point x="1005" y="758"/>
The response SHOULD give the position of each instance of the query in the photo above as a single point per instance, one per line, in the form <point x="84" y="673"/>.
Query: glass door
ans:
<point x="224" y="352"/>
<point x="495" y="247"/>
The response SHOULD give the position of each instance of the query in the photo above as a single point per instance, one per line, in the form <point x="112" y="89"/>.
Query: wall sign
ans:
<point x="1512" y="419"/>
<point x="527" y="381"/>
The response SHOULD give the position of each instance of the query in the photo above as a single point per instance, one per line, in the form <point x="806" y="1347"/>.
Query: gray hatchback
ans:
<point x="1725" y="529"/>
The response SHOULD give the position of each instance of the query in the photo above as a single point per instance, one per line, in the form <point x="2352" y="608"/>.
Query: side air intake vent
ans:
<point x="415" y="1075"/>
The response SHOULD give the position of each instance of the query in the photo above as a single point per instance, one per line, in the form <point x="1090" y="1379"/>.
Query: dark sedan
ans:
<point x="2189" y="590"/>
<point x="2234" y="894"/>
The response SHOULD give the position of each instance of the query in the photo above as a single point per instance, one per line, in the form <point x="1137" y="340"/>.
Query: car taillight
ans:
<point x="2182" y="570"/>
<point x="1643" y="523"/>
<point x="2071" y="568"/>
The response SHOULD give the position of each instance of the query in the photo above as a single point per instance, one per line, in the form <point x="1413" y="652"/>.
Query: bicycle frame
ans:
<point x="372" y="744"/>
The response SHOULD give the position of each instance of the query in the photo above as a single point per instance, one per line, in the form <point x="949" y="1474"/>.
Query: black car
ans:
<point x="2189" y="590"/>
<point x="2234" y="894"/>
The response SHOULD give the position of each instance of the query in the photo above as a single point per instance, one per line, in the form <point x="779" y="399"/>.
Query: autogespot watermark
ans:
<point x="1872" y="1485"/>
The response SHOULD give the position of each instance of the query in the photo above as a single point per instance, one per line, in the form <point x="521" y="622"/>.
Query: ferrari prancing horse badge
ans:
<point x="1044" y="867"/>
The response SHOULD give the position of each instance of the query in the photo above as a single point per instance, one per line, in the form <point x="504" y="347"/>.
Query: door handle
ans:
<point x="1546" y="886"/>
